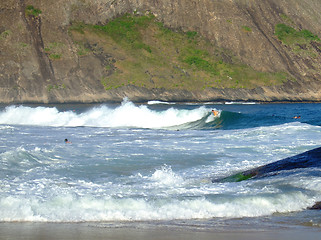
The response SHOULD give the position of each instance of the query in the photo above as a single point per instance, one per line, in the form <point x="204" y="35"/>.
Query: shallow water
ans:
<point x="154" y="163"/>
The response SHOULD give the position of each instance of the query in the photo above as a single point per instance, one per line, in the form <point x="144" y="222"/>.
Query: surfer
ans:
<point x="66" y="141"/>
<point x="297" y="117"/>
<point x="215" y="112"/>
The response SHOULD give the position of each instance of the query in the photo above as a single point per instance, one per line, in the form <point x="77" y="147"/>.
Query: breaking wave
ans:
<point x="125" y="115"/>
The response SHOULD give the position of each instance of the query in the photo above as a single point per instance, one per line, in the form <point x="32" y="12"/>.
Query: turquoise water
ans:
<point x="155" y="163"/>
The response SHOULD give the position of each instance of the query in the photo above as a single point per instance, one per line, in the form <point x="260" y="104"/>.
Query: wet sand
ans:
<point x="82" y="231"/>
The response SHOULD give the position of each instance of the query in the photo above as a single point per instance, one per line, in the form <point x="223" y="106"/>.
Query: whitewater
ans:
<point x="155" y="162"/>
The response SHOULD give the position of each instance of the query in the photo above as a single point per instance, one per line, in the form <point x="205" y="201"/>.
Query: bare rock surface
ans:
<point x="32" y="43"/>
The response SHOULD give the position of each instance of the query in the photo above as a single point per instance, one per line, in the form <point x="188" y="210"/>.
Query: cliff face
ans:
<point x="41" y="58"/>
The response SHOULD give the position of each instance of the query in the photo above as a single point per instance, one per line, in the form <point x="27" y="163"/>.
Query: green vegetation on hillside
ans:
<point x="246" y="29"/>
<point x="5" y="34"/>
<point x="147" y="54"/>
<point x="54" y="50"/>
<point x="288" y="35"/>
<point x="126" y="30"/>
<point x="32" y="11"/>
<point x="298" y="41"/>
<point x="52" y="87"/>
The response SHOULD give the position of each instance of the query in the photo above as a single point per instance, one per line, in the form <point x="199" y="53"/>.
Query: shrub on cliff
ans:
<point x="32" y="11"/>
<point x="288" y="35"/>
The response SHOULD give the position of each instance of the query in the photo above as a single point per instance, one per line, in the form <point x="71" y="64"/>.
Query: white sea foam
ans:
<point x="162" y="195"/>
<point x="73" y="208"/>
<point x="126" y="115"/>
<point x="245" y="103"/>
<point x="165" y="176"/>
<point x="116" y="174"/>
<point x="159" y="102"/>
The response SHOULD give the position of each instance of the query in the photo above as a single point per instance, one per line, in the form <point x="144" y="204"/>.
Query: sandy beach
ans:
<point x="79" y="231"/>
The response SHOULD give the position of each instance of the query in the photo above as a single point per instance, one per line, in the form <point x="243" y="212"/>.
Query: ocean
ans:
<point x="150" y="165"/>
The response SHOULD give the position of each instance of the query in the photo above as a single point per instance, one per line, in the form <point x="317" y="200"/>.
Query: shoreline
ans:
<point x="139" y="95"/>
<point x="160" y="102"/>
<point x="98" y="231"/>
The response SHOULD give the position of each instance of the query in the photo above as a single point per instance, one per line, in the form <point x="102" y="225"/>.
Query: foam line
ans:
<point x="126" y="115"/>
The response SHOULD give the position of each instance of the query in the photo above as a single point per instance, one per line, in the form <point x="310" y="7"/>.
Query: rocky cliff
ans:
<point x="183" y="50"/>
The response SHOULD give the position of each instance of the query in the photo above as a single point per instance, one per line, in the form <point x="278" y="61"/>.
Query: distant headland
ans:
<point x="104" y="50"/>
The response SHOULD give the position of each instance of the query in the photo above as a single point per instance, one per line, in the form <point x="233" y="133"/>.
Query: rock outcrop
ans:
<point x="316" y="206"/>
<point x="308" y="159"/>
<point x="34" y="35"/>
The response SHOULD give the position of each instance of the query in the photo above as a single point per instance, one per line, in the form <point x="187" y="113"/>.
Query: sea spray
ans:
<point x="113" y="171"/>
<point x="126" y="115"/>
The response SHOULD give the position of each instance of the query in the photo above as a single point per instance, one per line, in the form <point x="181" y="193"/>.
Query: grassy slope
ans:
<point x="146" y="54"/>
<point x="299" y="41"/>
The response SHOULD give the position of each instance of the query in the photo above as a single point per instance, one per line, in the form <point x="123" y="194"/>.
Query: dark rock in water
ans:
<point x="307" y="159"/>
<point x="316" y="206"/>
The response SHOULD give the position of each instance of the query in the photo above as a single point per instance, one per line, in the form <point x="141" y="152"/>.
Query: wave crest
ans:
<point x="125" y="115"/>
